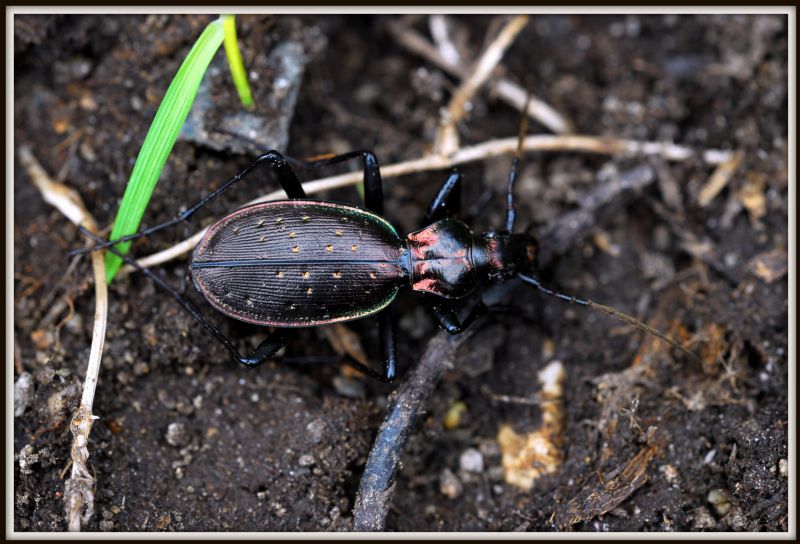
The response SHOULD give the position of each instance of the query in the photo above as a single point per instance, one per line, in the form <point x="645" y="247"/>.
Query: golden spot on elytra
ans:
<point x="309" y="291"/>
<point x="306" y="219"/>
<point x="337" y="275"/>
<point x="279" y="220"/>
<point x="262" y="239"/>
<point x="292" y="306"/>
<point x="339" y="233"/>
<point x="236" y="230"/>
<point x="279" y="274"/>
<point x="329" y="248"/>
<point x="306" y="274"/>
<point x="343" y="219"/>
<point x="354" y="248"/>
<point x="373" y="275"/>
<point x="295" y="249"/>
<point x="261" y="223"/>
<point x="292" y="235"/>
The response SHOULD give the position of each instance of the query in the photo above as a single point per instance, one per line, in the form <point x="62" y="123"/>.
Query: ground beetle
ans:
<point x="302" y="263"/>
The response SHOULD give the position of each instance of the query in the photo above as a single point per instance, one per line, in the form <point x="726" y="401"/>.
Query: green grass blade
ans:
<point x="235" y="61"/>
<point x="161" y="137"/>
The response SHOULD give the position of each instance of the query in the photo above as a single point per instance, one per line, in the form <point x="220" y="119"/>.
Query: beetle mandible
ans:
<point x="303" y="263"/>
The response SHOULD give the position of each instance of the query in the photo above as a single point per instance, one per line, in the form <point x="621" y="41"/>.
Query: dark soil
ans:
<point x="187" y="441"/>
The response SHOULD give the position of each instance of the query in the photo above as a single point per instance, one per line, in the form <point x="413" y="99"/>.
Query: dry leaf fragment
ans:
<point x="770" y="265"/>
<point x="528" y="456"/>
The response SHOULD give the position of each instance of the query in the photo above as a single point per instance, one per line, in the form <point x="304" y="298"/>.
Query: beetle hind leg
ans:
<point x="272" y="159"/>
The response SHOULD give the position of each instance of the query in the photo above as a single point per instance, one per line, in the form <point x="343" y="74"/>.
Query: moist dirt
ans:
<point x="650" y="439"/>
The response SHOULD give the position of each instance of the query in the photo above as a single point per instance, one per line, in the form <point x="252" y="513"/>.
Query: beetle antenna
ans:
<point x="608" y="310"/>
<point x="512" y="175"/>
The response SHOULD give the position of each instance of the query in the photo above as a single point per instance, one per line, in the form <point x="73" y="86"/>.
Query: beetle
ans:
<point x="303" y="263"/>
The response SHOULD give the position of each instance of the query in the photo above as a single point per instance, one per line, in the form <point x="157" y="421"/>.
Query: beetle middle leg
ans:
<point x="373" y="201"/>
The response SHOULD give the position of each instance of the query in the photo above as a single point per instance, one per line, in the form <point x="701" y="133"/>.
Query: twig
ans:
<point x="506" y="90"/>
<point x="447" y="137"/>
<point x="485" y="150"/>
<point x="719" y="179"/>
<point x="78" y="491"/>
<point x="377" y="484"/>
<point x="562" y="232"/>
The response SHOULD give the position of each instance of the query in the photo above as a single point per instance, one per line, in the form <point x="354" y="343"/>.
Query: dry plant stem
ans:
<point x="447" y="137"/>
<point x="78" y="489"/>
<point x="405" y="403"/>
<point x="719" y="179"/>
<point x="485" y="150"/>
<point x="506" y="90"/>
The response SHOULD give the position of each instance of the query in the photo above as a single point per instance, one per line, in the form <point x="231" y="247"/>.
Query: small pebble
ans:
<point x="783" y="468"/>
<point x="670" y="473"/>
<point x="471" y="460"/>
<point x="23" y="393"/>
<point x="720" y="500"/>
<point x="177" y="435"/>
<point x="449" y="484"/>
<point x="703" y="519"/>
<point x="316" y="430"/>
<point x="306" y="460"/>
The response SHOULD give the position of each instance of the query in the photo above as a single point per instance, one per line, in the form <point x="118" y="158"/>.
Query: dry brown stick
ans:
<point x="485" y="150"/>
<point x="447" y="141"/>
<point x="405" y="403"/>
<point x="506" y="90"/>
<point x="78" y="489"/>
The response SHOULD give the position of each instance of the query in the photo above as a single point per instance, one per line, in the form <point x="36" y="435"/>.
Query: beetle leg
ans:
<point x="511" y="212"/>
<point x="447" y="200"/>
<point x="373" y="190"/>
<point x="262" y="353"/>
<point x="388" y="330"/>
<point x="448" y="319"/>
<point x="274" y="160"/>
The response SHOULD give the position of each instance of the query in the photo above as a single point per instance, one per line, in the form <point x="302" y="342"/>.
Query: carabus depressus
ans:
<point x="303" y="263"/>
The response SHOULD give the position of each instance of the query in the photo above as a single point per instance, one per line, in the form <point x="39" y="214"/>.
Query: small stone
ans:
<point x="23" y="393"/>
<point x="306" y="460"/>
<point x="783" y="468"/>
<point x="496" y="473"/>
<point x="471" y="460"/>
<point x="490" y="448"/>
<point x="349" y="387"/>
<point x="703" y="519"/>
<point x="721" y="501"/>
<point x="449" y="484"/>
<point x="316" y="430"/>
<point x="278" y="508"/>
<point x="670" y="473"/>
<point x="45" y="375"/>
<point x="177" y="435"/>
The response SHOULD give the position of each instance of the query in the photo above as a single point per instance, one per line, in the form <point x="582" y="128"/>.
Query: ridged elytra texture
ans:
<point x="299" y="263"/>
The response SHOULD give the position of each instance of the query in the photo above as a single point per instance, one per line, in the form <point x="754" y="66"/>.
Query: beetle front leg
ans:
<point x="446" y="201"/>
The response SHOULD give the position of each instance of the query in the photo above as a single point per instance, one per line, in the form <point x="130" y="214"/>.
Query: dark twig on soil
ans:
<point x="377" y="483"/>
<point x="561" y="233"/>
